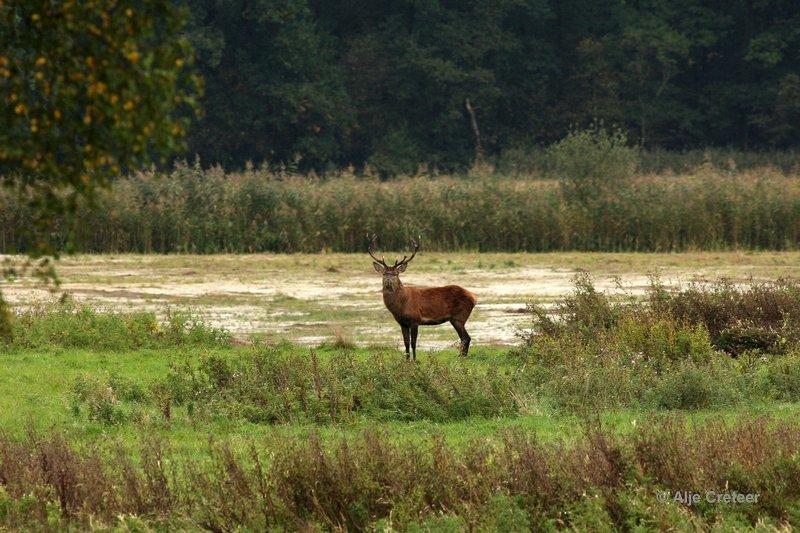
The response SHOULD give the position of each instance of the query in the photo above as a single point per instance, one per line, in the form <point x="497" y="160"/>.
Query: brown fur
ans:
<point x="429" y="306"/>
<point x="425" y="306"/>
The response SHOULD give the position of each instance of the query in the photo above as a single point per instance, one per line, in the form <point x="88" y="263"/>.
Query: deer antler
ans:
<point x="415" y="244"/>
<point x="371" y="248"/>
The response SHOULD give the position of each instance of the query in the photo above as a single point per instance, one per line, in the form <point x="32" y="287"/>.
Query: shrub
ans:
<point x="779" y="379"/>
<point x="6" y="332"/>
<point x="586" y="313"/>
<point x="690" y="387"/>
<point x="99" y="398"/>
<point x="269" y="386"/>
<point x="593" y="160"/>
<point x="669" y="350"/>
<point x="72" y="325"/>
<point x="758" y="316"/>
<point x="761" y="316"/>
<point x="596" y="481"/>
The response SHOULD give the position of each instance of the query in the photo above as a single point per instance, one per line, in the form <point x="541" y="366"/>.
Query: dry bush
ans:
<point x="602" y="479"/>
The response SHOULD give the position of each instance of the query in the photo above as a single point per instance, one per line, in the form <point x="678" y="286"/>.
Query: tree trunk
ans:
<point x="474" y="123"/>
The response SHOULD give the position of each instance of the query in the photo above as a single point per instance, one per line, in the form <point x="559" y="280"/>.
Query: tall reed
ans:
<point x="209" y="211"/>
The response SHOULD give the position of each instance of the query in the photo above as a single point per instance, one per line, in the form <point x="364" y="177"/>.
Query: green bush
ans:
<point x="697" y="347"/>
<point x="779" y="379"/>
<point x="267" y="385"/>
<point x="100" y="398"/>
<point x="689" y="387"/>
<point x="6" y="331"/>
<point x="592" y="161"/>
<point x="68" y="324"/>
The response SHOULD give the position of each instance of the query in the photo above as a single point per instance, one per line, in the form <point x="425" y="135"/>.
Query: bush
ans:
<point x="690" y="387"/>
<point x="754" y="317"/>
<point x="780" y="379"/>
<point x="100" y="399"/>
<point x="595" y="481"/>
<point x="703" y="346"/>
<point x="6" y="332"/>
<point x="762" y="316"/>
<point x="585" y="313"/>
<point x="270" y="386"/>
<point x="68" y="324"/>
<point x="592" y="161"/>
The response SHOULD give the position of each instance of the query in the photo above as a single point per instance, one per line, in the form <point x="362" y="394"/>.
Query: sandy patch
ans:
<point x="306" y="301"/>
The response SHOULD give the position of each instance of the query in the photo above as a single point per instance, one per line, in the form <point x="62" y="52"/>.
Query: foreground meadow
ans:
<point x="601" y="403"/>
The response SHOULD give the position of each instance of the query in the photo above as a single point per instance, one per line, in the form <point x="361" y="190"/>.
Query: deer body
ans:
<point x="423" y="306"/>
<point x="429" y="306"/>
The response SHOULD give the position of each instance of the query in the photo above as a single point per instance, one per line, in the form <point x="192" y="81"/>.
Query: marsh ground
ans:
<point x="309" y="299"/>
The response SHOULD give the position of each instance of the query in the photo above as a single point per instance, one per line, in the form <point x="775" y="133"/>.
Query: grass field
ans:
<point x="557" y="427"/>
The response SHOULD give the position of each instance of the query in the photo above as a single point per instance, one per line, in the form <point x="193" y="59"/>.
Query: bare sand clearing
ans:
<point x="311" y="298"/>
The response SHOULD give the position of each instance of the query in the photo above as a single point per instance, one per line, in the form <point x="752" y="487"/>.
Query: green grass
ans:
<point x="39" y="383"/>
<point x="661" y="391"/>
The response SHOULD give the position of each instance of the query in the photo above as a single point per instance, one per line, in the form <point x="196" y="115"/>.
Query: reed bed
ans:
<point x="210" y="211"/>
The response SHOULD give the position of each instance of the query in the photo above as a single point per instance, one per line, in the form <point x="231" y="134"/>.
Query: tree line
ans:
<point x="402" y="84"/>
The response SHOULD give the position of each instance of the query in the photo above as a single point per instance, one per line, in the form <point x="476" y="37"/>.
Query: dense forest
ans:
<point x="398" y="84"/>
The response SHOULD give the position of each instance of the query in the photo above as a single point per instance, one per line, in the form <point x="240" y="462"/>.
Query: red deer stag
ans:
<point x="413" y="307"/>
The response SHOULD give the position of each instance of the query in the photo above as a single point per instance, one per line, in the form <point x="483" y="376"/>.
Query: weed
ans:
<point x="599" y="482"/>
<point x="69" y="324"/>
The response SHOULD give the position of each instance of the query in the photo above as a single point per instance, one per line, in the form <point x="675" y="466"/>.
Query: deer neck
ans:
<point x="395" y="299"/>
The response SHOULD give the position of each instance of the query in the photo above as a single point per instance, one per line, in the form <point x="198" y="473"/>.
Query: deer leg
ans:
<point x="414" y="331"/>
<point x="406" y="338"/>
<point x="463" y="335"/>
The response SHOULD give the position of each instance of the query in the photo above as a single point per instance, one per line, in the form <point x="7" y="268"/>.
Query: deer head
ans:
<point x="391" y="274"/>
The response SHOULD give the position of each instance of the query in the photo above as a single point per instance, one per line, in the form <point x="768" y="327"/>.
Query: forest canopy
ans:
<point x="321" y="84"/>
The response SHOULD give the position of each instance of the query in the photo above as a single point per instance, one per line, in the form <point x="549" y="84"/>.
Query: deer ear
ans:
<point x="378" y="267"/>
<point x="401" y="268"/>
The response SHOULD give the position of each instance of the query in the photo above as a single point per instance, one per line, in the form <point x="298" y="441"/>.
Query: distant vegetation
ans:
<point x="402" y="85"/>
<point x="570" y="200"/>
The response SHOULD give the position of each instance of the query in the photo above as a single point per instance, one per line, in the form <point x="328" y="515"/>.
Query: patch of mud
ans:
<point x="273" y="302"/>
